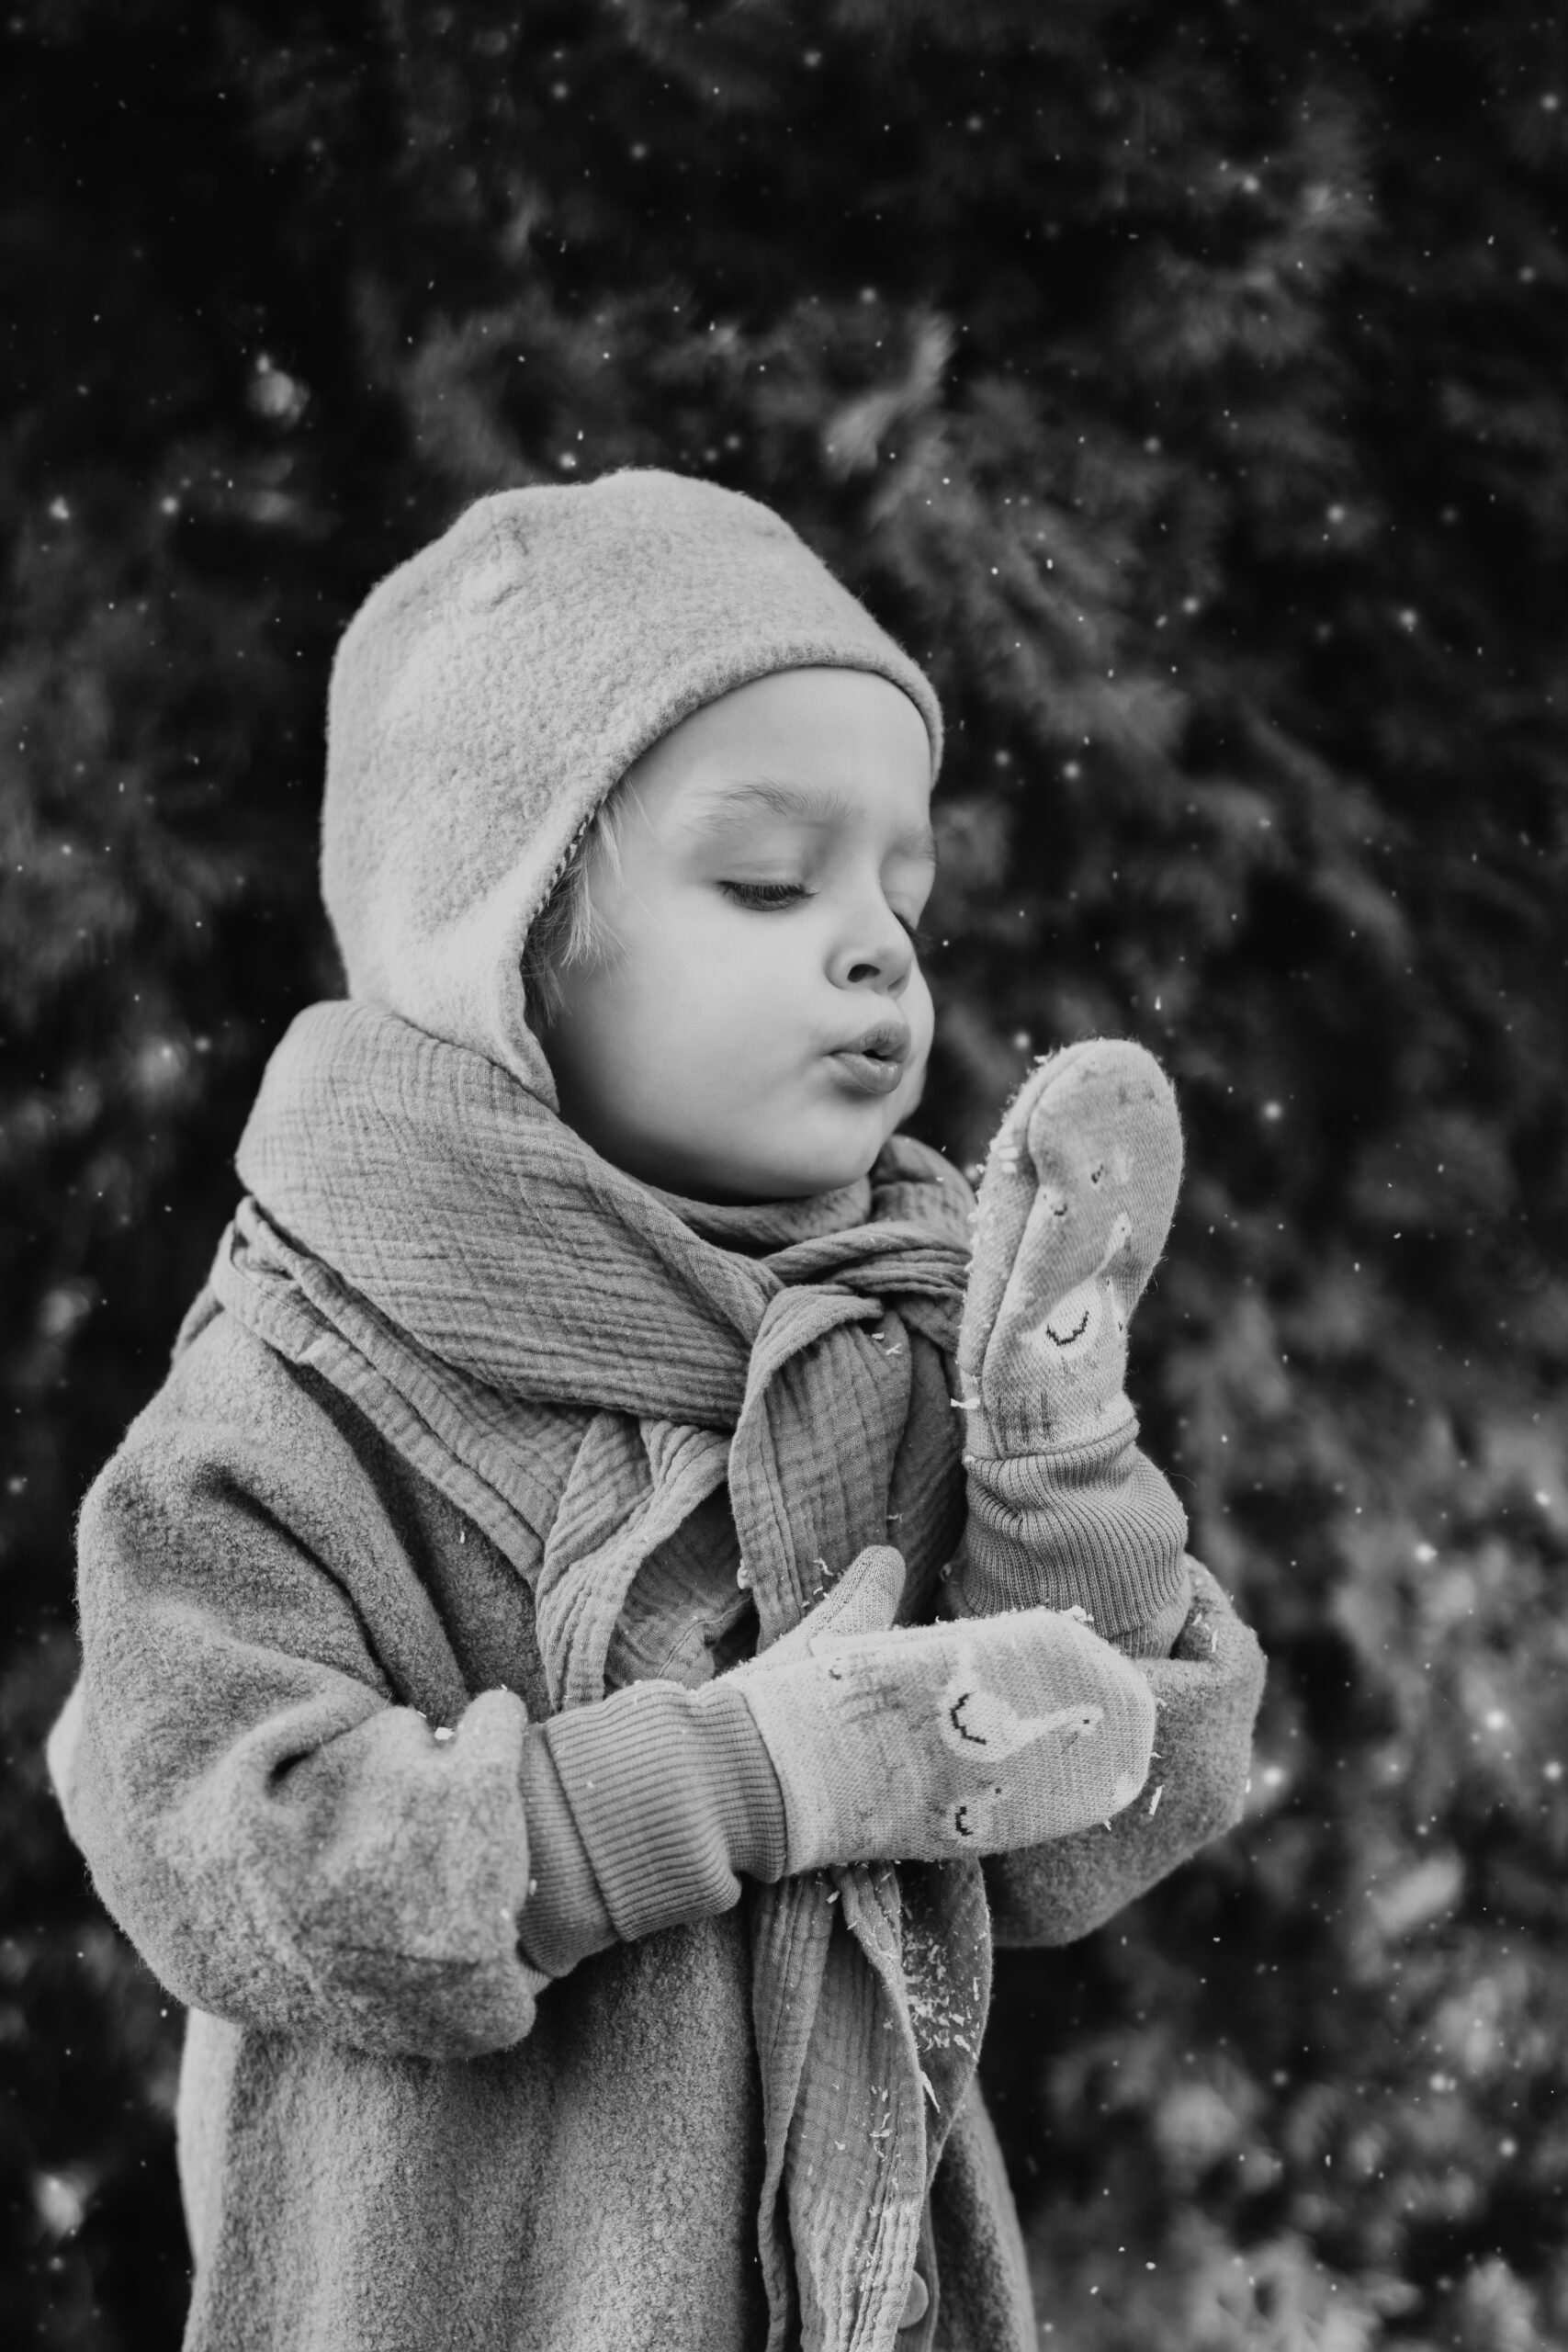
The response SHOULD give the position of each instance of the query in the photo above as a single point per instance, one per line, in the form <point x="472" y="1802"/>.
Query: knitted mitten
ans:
<point x="922" y="1742"/>
<point x="1074" y="1206"/>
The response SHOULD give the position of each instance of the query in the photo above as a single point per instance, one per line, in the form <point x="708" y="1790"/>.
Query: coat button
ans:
<point x="917" y="2303"/>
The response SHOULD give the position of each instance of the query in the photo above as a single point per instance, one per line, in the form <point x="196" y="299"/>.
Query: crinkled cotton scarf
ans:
<point x="433" y="1239"/>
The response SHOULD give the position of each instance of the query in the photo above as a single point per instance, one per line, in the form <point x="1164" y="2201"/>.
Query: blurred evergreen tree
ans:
<point x="1185" y="387"/>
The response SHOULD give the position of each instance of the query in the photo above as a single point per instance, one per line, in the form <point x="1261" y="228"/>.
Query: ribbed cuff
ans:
<point x="564" y="1918"/>
<point x="671" y="1794"/>
<point x="745" y="1785"/>
<point x="1097" y="1527"/>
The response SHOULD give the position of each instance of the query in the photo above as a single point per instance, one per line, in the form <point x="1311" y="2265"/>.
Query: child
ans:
<point x="527" y="1711"/>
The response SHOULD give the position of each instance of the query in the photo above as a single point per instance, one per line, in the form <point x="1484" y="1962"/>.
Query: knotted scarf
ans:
<point x="578" y="1362"/>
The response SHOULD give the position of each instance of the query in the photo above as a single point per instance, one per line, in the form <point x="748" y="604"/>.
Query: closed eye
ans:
<point x="762" y="895"/>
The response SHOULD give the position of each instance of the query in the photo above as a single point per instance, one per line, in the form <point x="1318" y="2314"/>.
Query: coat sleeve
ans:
<point x="1206" y="1694"/>
<point x="283" y="1789"/>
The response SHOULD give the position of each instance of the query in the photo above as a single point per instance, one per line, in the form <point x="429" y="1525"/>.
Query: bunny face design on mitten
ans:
<point x="1074" y="1206"/>
<point x="914" y="1743"/>
<point x="981" y="1727"/>
<point x="1090" y="1320"/>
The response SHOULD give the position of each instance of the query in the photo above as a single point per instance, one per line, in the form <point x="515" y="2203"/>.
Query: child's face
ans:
<point x="761" y="1024"/>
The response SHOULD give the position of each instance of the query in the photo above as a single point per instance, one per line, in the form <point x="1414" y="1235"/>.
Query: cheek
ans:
<point x="710" y="974"/>
<point x="694" y="980"/>
<point x="920" y="1015"/>
<point x="674" y="1000"/>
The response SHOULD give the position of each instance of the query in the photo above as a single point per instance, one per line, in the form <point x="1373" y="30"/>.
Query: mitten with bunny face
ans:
<point x="1074" y="1206"/>
<point x="924" y="1743"/>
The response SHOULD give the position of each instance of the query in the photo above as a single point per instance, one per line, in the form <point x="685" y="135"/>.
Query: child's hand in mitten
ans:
<point x="1074" y="1206"/>
<point x="919" y="1743"/>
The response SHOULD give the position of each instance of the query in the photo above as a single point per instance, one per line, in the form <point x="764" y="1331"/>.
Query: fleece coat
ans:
<point x="312" y="1656"/>
<point x="293" y="1763"/>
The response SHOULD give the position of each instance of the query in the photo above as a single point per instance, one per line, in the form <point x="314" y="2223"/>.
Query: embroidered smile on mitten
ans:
<point x="919" y="1743"/>
<point x="1074" y="1206"/>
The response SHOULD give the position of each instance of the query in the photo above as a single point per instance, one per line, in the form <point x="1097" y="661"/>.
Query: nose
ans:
<point x="881" y="957"/>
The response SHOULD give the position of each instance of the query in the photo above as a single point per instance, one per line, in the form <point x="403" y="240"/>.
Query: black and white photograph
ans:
<point x="783" y="1176"/>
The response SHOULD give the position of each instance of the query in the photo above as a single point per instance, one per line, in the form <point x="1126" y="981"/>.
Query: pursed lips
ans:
<point x="875" y="1063"/>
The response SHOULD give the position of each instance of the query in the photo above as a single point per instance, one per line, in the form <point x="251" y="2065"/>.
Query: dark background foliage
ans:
<point x="1185" y="384"/>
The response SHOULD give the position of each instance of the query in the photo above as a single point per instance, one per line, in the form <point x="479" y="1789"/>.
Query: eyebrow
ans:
<point x="796" y="803"/>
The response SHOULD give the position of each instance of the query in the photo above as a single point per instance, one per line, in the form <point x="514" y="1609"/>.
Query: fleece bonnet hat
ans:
<point x="492" y="692"/>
